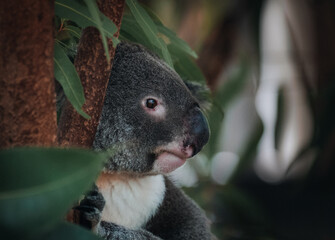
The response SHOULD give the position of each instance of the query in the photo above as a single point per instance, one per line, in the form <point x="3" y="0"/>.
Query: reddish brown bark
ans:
<point x="94" y="70"/>
<point x="27" y="96"/>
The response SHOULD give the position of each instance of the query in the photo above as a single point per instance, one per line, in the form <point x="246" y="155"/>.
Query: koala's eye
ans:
<point x="151" y="103"/>
<point x="154" y="106"/>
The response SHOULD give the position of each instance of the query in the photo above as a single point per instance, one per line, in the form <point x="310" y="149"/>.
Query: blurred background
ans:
<point x="268" y="171"/>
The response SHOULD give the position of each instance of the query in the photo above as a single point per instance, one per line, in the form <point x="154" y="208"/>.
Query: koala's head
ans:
<point x="150" y="119"/>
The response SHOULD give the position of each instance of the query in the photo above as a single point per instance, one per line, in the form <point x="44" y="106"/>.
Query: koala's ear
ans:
<point x="202" y="93"/>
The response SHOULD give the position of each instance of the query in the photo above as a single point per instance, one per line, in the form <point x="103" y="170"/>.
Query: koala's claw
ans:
<point x="90" y="208"/>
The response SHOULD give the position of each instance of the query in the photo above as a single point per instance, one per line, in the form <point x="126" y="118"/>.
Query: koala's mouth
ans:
<point x="171" y="156"/>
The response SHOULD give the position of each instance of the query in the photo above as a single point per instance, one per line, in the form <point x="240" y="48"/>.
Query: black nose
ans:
<point x="198" y="130"/>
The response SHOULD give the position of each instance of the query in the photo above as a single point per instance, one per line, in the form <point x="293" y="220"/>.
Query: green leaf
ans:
<point x="73" y="31"/>
<point x="171" y="35"/>
<point x="95" y="13"/>
<point x="166" y="53"/>
<point x="67" y="76"/>
<point x="67" y="231"/>
<point x="81" y="15"/>
<point x="39" y="185"/>
<point x="185" y="66"/>
<point x="144" y="21"/>
<point x="130" y="30"/>
<point x="149" y="29"/>
<point x="176" y="41"/>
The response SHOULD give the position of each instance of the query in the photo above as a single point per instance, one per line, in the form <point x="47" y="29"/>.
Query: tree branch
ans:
<point x="94" y="71"/>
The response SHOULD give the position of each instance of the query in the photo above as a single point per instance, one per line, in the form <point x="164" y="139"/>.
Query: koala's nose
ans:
<point x="198" y="130"/>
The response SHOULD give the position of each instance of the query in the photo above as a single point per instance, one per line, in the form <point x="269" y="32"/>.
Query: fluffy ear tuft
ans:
<point x="202" y="93"/>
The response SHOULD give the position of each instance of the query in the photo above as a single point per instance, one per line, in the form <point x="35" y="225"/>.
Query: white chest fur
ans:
<point x="130" y="202"/>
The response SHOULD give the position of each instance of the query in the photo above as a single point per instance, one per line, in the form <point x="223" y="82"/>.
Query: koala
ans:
<point x="151" y="123"/>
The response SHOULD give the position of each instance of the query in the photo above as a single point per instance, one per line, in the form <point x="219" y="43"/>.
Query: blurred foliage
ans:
<point x="66" y="230"/>
<point x="38" y="187"/>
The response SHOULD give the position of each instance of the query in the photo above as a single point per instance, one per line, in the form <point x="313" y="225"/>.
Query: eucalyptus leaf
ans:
<point x="166" y="53"/>
<point x="81" y="15"/>
<point x="144" y="21"/>
<point x="176" y="41"/>
<point x="67" y="76"/>
<point x="149" y="29"/>
<point x="171" y="35"/>
<point x="95" y="14"/>
<point x="130" y="30"/>
<point x="73" y="31"/>
<point x="185" y="66"/>
<point x="39" y="185"/>
<point x="67" y="231"/>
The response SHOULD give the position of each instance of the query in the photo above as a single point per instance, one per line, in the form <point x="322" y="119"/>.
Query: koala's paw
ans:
<point x="90" y="208"/>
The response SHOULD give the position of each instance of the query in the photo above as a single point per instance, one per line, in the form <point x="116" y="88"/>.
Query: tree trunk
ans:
<point x="27" y="96"/>
<point x="94" y="71"/>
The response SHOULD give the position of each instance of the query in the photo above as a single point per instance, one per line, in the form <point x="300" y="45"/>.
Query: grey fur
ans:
<point x="133" y="135"/>
<point x="179" y="217"/>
